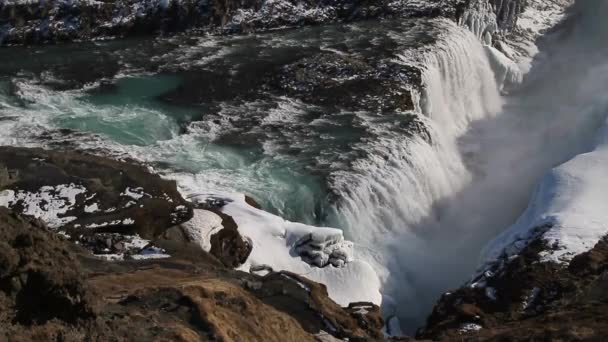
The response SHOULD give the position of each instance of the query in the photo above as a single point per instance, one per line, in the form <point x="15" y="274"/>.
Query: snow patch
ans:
<point x="470" y="327"/>
<point x="93" y="208"/>
<point x="49" y="203"/>
<point x="202" y="226"/>
<point x="136" y="193"/>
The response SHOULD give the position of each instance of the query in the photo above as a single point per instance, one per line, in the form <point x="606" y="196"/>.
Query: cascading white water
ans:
<point x="552" y="117"/>
<point x="403" y="178"/>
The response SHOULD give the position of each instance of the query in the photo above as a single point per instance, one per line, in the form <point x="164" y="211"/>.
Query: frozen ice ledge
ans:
<point x="37" y="21"/>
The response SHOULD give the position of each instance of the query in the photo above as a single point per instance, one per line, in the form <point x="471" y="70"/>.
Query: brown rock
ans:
<point x="228" y="245"/>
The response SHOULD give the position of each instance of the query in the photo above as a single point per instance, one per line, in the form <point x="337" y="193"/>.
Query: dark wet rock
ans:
<point x="101" y="203"/>
<point x="54" y="21"/>
<point x="337" y="80"/>
<point x="249" y="200"/>
<point x="529" y="299"/>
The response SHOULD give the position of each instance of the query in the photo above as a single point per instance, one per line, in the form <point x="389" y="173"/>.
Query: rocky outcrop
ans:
<point x="101" y="203"/>
<point x="329" y="79"/>
<point x="529" y="299"/>
<point x="507" y="12"/>
<point x="50" y="289"/>
<point x="24" y="22"/>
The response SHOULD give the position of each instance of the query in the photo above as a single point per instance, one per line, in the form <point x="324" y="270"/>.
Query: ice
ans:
<point x="506" y="71"/>
<point x="538" y="17"/>
<point x="151" y="253"/>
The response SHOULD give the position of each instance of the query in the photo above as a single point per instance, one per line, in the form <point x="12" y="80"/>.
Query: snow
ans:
<point x="136" y="193"/>
<point x="202" y="226"/>
<point x="469" y="327"/>
<point x="151" y="253"/>
<point x="91" y="208"/>
<point x="529" y="301"/>
<point x="49" y="203"/>
<point x="128" y="221"/>
<point x="301" y="284"/>
<point x="135" y="248"/>
<point x="136" y="242"/>
<point x="491" y="293"/>
<point x="541" y="15"/>
<point x="568" y="211"/>
<point x="277" y="242"/>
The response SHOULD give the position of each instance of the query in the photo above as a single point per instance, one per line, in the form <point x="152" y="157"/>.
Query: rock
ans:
<point x="52" y="22"/>
<point x="532" y="300"/>
<point x="38" y="275"/>
<point x="308" y="302"/>
<point x="249" y="200"/>
<point x="333" y="79"/>
<point x="228" y="245"/>
<point x="85" y="195"/>
<point x="60" y="293"/>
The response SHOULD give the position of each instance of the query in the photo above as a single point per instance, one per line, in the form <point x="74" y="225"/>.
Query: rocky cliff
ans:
<point x="33" y="22"/>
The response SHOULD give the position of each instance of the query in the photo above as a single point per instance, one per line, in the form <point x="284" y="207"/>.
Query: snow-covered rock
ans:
<point x="49" y="203"/>
<point x="568" y="211"/>
<point x="202" y="226"/>
<point x="318" y="253"/>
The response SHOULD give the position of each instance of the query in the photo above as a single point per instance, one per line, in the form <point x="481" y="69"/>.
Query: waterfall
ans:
<point x="403" y="177"/>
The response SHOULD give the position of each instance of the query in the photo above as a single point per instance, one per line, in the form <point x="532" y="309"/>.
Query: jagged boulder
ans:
<point x="528" y="299"/>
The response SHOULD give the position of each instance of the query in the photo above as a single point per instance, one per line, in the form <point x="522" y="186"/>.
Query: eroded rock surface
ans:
<point x="529" y="299"/>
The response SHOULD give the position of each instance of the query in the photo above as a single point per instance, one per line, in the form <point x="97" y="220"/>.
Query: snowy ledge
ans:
<point x="568" y="211"/>
<point x="317" y="253"/>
